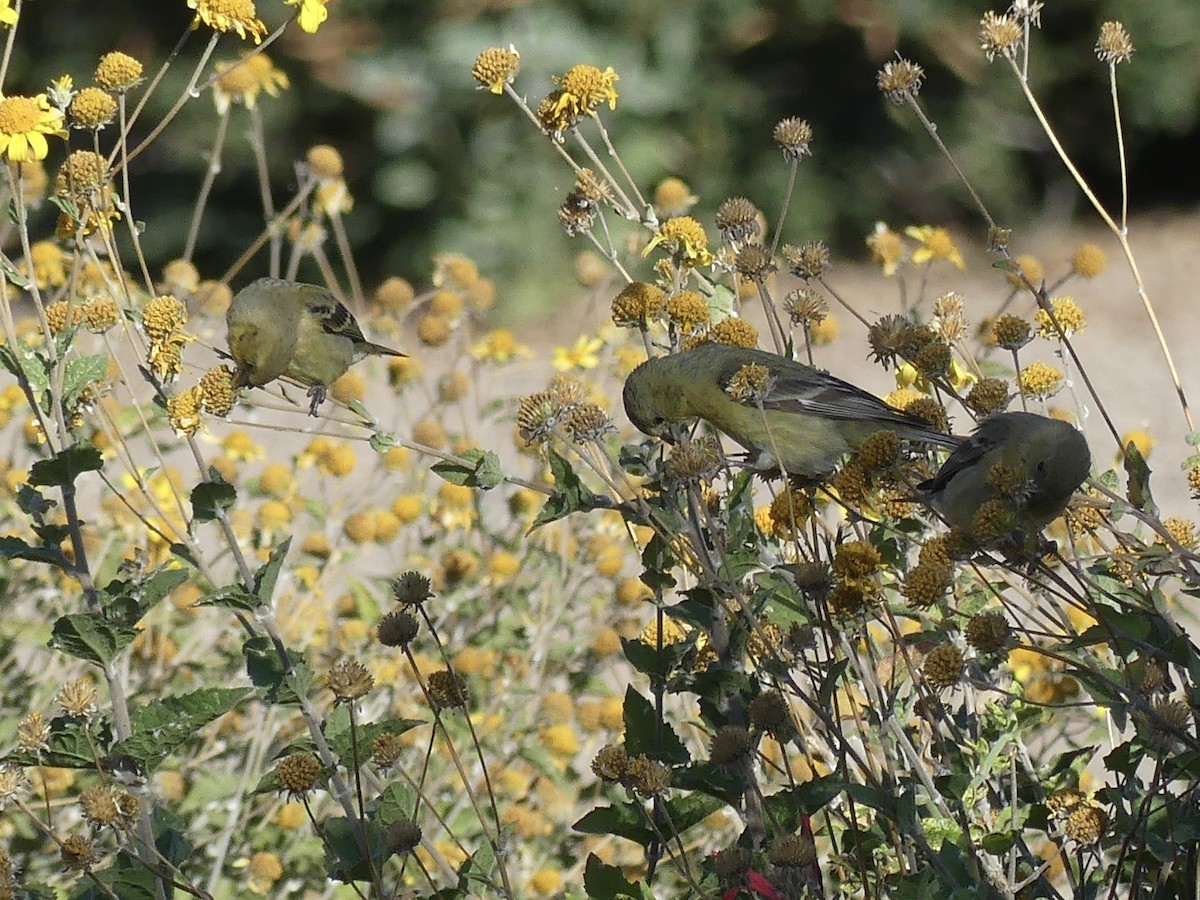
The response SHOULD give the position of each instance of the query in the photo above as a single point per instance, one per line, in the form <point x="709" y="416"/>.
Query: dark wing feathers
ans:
<point x="336" y="319"/>
<point x="967" y="454"/>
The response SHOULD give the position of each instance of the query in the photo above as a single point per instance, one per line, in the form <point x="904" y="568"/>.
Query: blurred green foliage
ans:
<point x="435" y="164"/>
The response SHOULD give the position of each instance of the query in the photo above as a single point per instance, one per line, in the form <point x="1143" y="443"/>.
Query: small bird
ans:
<point x="299" y="330"/>
<point x="1041" y="463"/>
<point x="801" y="420"/>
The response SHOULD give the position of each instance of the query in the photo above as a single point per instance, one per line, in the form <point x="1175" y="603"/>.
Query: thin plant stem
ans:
<point x="787" y="201"/>
<point x="1122" y="237"/>
<point x="210" y="176"/>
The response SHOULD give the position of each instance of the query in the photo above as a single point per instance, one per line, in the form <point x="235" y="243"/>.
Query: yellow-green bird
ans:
<point x="1042" y="462"/>
<point x="800" y="419"/>
<point x="279" y="328"/>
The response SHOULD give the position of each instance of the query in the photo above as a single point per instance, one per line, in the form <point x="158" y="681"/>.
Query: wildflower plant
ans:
<point x="207" y="633"/>
<point x="833" y="692"/>
<point x="447" y="641"/>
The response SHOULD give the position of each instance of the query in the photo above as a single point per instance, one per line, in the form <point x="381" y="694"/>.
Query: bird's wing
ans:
<point x="335" y="319"/>
<point x="967" y="454"/>
<point x="819" y="393"/>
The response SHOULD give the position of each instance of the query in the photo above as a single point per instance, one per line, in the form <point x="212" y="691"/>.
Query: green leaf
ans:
<point x="472" y="468"/>
<point x="711" y="779"/>
<point x="71" y="745"/>
<point x="396" y="803"/>
<point x="230" y="597"/>
<point x="65" y="466"/>
<point x="651" y="661"/>
<point x="126" y="878"/>
<point x="162" y="726"/>
<point x="344" y="859"/>
<point x="267" y="672"/>
<point x="78" y="373"/>
<point x="128" y="601"/>
<point x="721" y="303"/>
<point x="605" y="882"/>
<point x="627" y="820"/>
<point x="569" y="496"/>
<point x="91" y="637"/>
<point x="11" y="274"/>
<point x="212" y="496"/>
<point x="265" y="578"/>
<point x="643" y="735"/>
<point x="341" y="738"/>
<point x="1138" y="488"/>
<point x="15" y="548"/>
<point x="33" y="503"/>
<point x="679" y="814"/>
<point x="382" y="441"/>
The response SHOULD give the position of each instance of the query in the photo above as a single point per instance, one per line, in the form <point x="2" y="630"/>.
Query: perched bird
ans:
<point x="797" y="418"/>
<point x="299" y="330"/>
<point x="1006" y="482"/>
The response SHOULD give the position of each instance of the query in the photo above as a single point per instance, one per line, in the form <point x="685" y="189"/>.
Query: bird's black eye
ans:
<point x="1041" y="467"/>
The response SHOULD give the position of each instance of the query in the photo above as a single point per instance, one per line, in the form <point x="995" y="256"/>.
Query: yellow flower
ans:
<point x="263" y="870"/>
<point x="332" y="198"/>
<point x="685" y="238"/>
<point x="960" y="378"/>
<point x="1039" y="379"/>
<point x="241" y="81"/>
<point x="1142" y="439"/>
<point x="239" y="446"/>
<point x="312" y="14"/>
<point x="673" y="197"/>
<point x="936" y="243"/>
<point x="887" y="248"/>
<point x="580" y="91"/>
<point x="183" y="410"/>
<point x="49" y="264"/>
<point x="8" y="15"/>
<point x="1068" y="315"/>
<point x="499" y="346"/>
<point x="229" y="15"/>
<point x="24" y="124"/>
<point x="496" y="67"/>
<point x="581" y="356"/>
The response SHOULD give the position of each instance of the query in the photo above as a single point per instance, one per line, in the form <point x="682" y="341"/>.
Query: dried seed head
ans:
<point x="807" y="261"/>
<point x="692" y="460"/>
<point x="805" y="307"/>
<point x="397" y="629"/>
<point x="900" y="80"/>
<point x="737" y="220"/>
<point x="447" y="690"/>
<point x="754" y="262"/>
<point x="349" y="680"/>
<point x="731" y="744"/>
<point x="298" y="773"/>
<point x="988" y="632"/>
<point x="1002" y="34"/>
<point x="610" y="763"/>
<point x="647" y="777"/>
<point x="1114" y="45"/>
<point x="793" y="135"/>
<point x="943" y="666"/>
<point x="411" y="589"/>
<point x="402" y="836"/>
<point x="1012" y="332"/>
